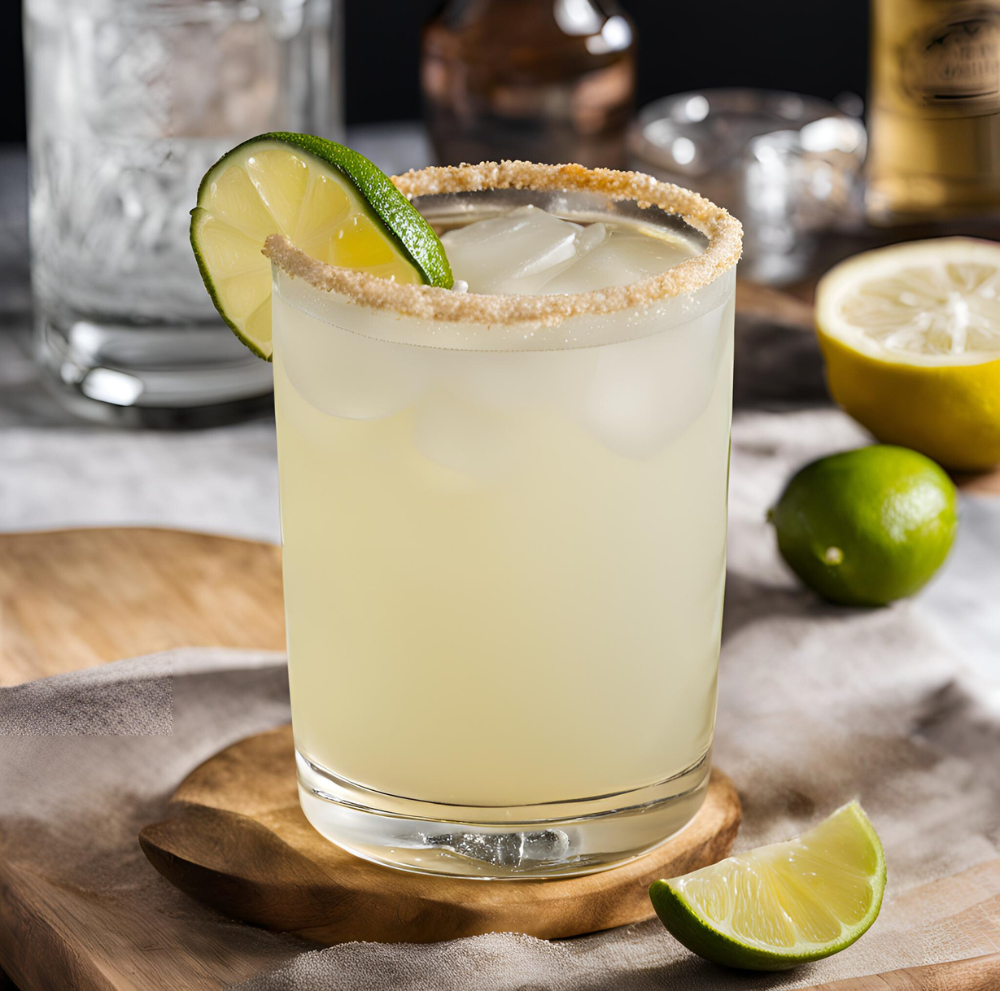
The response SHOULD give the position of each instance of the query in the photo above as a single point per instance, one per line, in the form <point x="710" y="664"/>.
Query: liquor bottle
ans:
<point x="934" y="109"/>
<point x="542" y="80"/>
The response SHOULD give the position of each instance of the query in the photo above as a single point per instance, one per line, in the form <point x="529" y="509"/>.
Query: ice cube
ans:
<point x="353" y="376"/>
<point x="647" y="392"/>
<point x="623" y="256"/>
<point x="518" y="252"/>
<point x="458" y="433"/>
<point x="528" y="251"/>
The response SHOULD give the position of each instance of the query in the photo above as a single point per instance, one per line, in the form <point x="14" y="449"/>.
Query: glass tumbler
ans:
<point x="789" y="166"/>
<point x="504" y="531"/>
<point x="129" y="103"/>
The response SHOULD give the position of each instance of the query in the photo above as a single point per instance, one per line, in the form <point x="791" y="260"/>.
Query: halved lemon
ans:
<point x="328" y="200"/>
<point x="781" y="905"/>
<point x="911" y="338"/>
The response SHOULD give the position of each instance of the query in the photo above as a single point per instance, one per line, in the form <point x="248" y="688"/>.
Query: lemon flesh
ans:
<point x="782" y="905"/>
<point x="328" y="200"/>
<point x="911" y="338"/>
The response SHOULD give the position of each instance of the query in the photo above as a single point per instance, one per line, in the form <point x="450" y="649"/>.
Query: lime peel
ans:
<point x="867" y="527"/>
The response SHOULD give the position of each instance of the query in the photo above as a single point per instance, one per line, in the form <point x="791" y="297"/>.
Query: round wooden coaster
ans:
<point x="237" y="840"/>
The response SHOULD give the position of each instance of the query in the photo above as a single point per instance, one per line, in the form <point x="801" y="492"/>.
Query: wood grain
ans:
<point x="56" y="937"/>
<point x="238" y="841"/>
<point x="76" y="598"/>
<point x="975" y="974"/>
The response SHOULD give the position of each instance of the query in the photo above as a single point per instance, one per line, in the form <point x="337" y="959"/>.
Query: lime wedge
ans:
<point x="328" y="200"/>
<point x="781" y="905"/>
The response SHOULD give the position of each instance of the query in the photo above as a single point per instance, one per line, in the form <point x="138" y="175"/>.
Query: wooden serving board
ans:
<point x="73" y="599"/>
<point x="237" y="840"/>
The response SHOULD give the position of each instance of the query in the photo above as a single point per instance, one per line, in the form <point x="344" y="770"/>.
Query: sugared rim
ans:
<point x="723" y="231"/>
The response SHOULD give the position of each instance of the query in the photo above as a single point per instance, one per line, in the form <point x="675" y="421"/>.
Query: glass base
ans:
<point x="560" y="839"/>
<point x="147" y="375"/>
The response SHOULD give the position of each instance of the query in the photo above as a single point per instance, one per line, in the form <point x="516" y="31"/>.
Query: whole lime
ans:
<point x="866" y="527"/>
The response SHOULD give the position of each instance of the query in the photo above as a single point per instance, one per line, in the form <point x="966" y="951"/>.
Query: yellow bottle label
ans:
<point x="952" y="67"/>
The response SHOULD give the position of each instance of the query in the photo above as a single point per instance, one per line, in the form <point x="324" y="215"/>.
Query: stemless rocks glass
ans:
<point x="129" y="103"/>
<point x="504" y="527"/>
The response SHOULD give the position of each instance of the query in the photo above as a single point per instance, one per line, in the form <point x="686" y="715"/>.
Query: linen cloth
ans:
<point x="818" y="704"/>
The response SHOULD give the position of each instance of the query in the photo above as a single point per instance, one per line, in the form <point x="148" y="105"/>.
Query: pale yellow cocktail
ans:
<point x="504" y="535"/>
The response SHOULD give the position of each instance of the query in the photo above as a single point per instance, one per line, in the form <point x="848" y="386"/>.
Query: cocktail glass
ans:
<point x="504" y="528"/>
<point x="130" y="102"/>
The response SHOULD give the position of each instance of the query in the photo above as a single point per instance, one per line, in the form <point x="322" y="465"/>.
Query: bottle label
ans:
<point x="954" y="65"/>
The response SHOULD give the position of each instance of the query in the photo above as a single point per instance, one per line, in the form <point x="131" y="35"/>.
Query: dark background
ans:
<point x="817" y="48"/>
